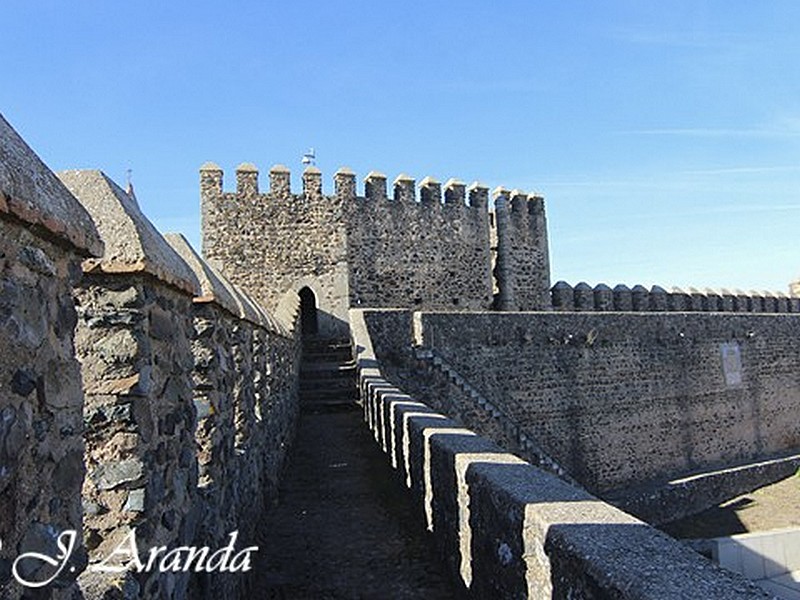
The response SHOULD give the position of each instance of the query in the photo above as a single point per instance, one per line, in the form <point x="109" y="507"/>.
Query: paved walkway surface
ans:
<point x="345" y="527"/>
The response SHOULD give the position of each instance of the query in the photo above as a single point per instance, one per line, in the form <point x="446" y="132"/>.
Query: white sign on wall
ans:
<point x="731" y="363"/>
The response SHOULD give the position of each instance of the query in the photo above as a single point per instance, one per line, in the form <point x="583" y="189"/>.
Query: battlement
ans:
<point x="602" y="298"/>
<point x="429" y="192"/>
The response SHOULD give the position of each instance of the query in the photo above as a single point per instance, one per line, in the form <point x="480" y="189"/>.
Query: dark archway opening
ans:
<point x="308" y="312"/>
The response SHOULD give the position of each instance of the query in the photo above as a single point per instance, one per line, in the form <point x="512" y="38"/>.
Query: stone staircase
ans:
<point x="523" y="441"/>
<point x="327" y="375"/>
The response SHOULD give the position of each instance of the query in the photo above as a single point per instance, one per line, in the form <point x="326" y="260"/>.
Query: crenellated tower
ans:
<point x="426" y="245"/>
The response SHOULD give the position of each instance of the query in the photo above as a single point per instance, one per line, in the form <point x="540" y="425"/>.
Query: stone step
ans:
<point x="326" y="370"/>
<point x="343" y="388"/>
<point x="327" y="376"/>
<point x="339" y="356"/>
<point x="331" y="385"/>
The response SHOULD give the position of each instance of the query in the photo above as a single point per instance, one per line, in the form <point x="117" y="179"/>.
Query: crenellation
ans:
<point x="584" y="297"/>
<point x="679" y="300"/>
<point x="430" y="192"/>
<point x="478" y="196"/>
<point x="640" y="298"/>
<point x="45" y="233"/>
<point x="280" y="182"/>
<point x="781" y="302"/>
<point x="344" y="182"/>
<point x="504" y="266"/>
<point x="312" y="183"/>
<point x="696" y="299"/>
<point x="375" y="186"/>
<point x="404" y="188"/>
<point x="741" y="301"/>
<point x="755" y="302"/>
<point x="770" y="302"/>
<point x="247" y="180"/>
<point x="711" y="300"/>
<point x="658" y="299"/>
<point x="623" y="298"/>
<point x="210" y="179"/>
<point x="563" y="296"/>
<point x="727" y="302"/>
<point x="603" y="298"/>
<point x="454" y="193"/>
<point x="519" y="204"/>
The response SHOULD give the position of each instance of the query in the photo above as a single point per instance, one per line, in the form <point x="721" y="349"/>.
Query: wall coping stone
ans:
<point x="32" y="193"/>
<point x="133" y="245"/>
<point x="216" y="288"/>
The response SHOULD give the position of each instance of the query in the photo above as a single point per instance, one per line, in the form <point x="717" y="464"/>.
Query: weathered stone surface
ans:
<point x="578" y="381"/>
<point x="132" y="243"/>
<point x="41" y="447"/>
<point x="32" y="193"/>
<point x="508" y="530"/>
<point x="371" y="252"/>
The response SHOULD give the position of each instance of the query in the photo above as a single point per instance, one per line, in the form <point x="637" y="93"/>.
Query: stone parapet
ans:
<point x="583" y="297"/>
<point x="44" y="235"/>
<point x="506" y="529"/>
<point x="30" y="192"/>
<point x="132" y="243"/>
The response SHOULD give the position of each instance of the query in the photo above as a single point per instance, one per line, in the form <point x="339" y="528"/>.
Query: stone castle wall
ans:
<point x="190" y="399"/>
<point x="380" y="250"/>
<point x="278" y="241"/>
<point x="620" y="399"/>
<point x="506" y="529"/>
<point x="133" y="342"/>
<point x="41" y="446"/>
<point x="404" y="252"/>
<point x="523" y="266"/>
<point x="44" y="234"/>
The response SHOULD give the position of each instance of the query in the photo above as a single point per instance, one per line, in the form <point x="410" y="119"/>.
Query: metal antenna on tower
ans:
<point x="309" y="158"/>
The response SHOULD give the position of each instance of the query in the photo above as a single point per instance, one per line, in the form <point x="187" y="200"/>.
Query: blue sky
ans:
<point x="665" y="136"/>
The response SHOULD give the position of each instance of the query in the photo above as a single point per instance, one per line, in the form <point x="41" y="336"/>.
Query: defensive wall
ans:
<point x="425" y="246"/>
<point x="140" y="389"/>
<point x="507" y="529"/>
<point x="44" y="234"/>
<point x="624" y="402"/>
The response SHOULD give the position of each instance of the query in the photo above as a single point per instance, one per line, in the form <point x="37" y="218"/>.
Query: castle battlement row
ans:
<point x="428" y="193"/>
<point x="421" y="244"/>
<point x="622" y="298"/>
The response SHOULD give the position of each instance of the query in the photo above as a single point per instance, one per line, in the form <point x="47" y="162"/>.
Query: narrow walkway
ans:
<point x="345" y="527"/>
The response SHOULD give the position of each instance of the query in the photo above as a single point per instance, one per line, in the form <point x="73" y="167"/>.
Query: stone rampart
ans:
<point x="190" y="399"/>
<point x="629" y="404"/>
<point x="44" y="234"/>
<point x="623" y="398"/>
<point x="509" y="530"/>
<point x="423" y="245"/>
<point x="133" y="341"/>
<point x="244" y="364"/>
<point x="602" y="298"/>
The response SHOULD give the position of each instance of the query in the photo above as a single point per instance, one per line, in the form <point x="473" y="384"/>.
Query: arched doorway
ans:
<point x="308" y="312"/>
